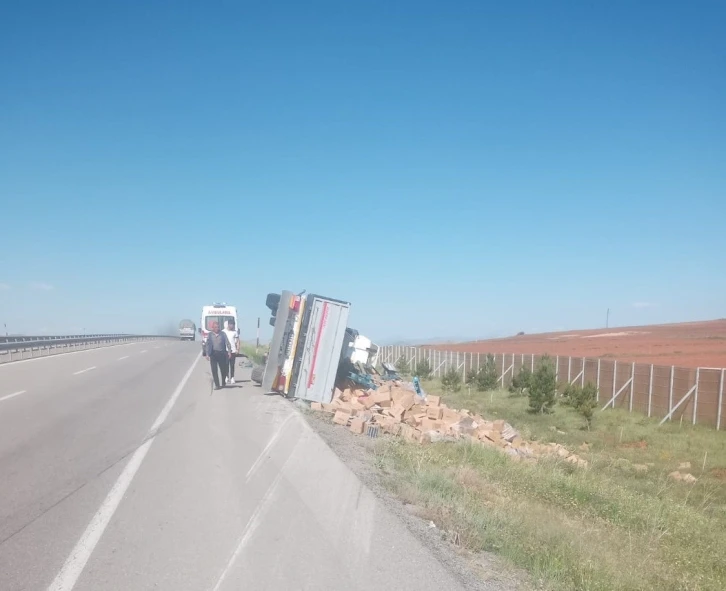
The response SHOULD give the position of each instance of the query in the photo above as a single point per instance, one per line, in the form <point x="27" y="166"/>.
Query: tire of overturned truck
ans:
<point x="258" y="372"/>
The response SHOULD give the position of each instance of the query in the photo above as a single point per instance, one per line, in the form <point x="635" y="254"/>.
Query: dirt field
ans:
<point x="691" y="344"/>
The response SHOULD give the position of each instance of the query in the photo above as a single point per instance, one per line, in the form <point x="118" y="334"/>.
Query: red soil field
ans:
<point x="689" y="344"/>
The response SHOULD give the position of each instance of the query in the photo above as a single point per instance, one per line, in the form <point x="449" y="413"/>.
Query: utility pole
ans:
<point x="607" y="319"/>
<point x="258" y="334"/>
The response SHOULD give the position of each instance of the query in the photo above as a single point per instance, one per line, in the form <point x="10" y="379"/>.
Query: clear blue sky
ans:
<point x="454" y="169"/>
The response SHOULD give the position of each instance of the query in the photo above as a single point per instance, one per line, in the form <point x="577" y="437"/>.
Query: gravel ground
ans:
<point x="478" y="572"/>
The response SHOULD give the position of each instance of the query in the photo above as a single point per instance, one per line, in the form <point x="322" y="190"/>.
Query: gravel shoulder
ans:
<point x="477" y="572"/>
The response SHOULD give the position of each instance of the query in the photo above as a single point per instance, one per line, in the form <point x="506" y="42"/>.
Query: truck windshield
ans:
<point x="221" y="319"/>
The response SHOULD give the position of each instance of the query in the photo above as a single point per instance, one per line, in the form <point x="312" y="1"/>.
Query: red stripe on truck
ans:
<point x="323" y="322"/>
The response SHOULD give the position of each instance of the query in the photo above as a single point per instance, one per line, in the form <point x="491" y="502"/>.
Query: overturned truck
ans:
<point x="312" y="350"/>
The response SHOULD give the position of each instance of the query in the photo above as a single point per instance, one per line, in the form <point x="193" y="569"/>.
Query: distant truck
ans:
<point x="187" y="330"/>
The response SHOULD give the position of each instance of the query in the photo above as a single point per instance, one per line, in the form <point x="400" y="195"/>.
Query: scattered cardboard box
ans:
<point x="367" y="402"/>
<point x="434" y="412"/>
<point x="378" y="397"/>
<point x="449" y="416"/>
<point x="341" y="404"/>
<point x="357" y="404"/>
<point x="341" y="417"/>
<point x="428" y="424"/>
<point x="494" y="436"/>
<point x="397" y="410"/>
<point x="357" y="426"/>
<point x="406" y="401"/>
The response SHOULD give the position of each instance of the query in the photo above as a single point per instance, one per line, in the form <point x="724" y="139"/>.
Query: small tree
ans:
<point x="471" y="377"/>
<point x="583" y="400"/>
<point x="520" y="382"/>
<point x="588" y="403"/>
<point x="423" y="370"/>
<point x="451" y="381"/>
<point x="569" y="394"/>
<point x="543" y="387"/>
<point x="487" y="378"/>
<point x="403" y="367"/>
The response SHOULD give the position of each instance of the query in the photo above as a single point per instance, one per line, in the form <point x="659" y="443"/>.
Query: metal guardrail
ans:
<point x="16" y="348"/>
<point x="26" y="338"/>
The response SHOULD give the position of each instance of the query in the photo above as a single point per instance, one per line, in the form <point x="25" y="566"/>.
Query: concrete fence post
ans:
<point x="695" y="395"/>
<point x="569" y="369"/>
<point x="597" y="396"/>
<point x="632" y="387"/>
<point x="719" y="411"/>
<point x="557" y="368"/>
<point x="670" y="391"/>
<point x="650" y="391"/>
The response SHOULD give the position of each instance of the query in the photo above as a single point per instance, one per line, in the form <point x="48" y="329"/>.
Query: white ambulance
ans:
<point x="220" y="313"/>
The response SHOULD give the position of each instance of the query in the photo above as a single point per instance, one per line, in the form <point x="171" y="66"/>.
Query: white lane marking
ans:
<point x="144" y="351"/>
<point x="263" y="455"/>
<point x="157" y="347"/>
<point x="13" y="395"/>
<point x="76" y="561"/>
<point x="75" y="373"/>
<point x="252" y="525"/>
<point x="124" y="357"/>
<point x="170" y="403"/>
<point x="55" y="355"/>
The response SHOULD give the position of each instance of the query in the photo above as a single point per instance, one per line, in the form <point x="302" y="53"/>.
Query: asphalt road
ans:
<point x="122" y="470"/>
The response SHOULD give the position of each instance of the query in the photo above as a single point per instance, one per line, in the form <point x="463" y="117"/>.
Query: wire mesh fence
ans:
<point x="695" y="395"/>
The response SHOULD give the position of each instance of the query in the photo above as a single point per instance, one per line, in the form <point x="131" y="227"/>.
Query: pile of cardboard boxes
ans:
<point x="398" y="410"/>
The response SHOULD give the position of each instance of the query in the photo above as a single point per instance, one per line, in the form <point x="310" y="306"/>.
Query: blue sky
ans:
<point x="454" y="169"/>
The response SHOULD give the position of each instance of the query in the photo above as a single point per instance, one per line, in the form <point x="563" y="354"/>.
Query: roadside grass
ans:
<point x="613" y="526"/>
<point x="255" y="355"/>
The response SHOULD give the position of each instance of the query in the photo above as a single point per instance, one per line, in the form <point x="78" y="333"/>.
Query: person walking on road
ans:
<point x="233" y="339"/>
<point x="219" y="351"/>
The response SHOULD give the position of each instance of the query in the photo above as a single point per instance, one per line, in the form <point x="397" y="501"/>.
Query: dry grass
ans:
<point x="611" y="527"/>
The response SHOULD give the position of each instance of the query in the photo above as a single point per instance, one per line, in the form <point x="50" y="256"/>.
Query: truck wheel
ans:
<point x="258" y="372"/>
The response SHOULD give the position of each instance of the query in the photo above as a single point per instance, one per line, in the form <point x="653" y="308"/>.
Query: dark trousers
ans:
<point x="219" y="359"/>
<point x="231" y="365"/>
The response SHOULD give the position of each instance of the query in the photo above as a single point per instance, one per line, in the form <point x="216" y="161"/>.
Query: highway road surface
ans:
<point x="123" y="471"/>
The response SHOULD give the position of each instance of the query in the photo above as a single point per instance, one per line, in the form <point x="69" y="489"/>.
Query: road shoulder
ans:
<point x="476" y="572"/>
<point x="239" y="492"/>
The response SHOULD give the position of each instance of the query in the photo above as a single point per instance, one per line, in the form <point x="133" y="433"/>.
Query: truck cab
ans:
<point x="187" y="330"/>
